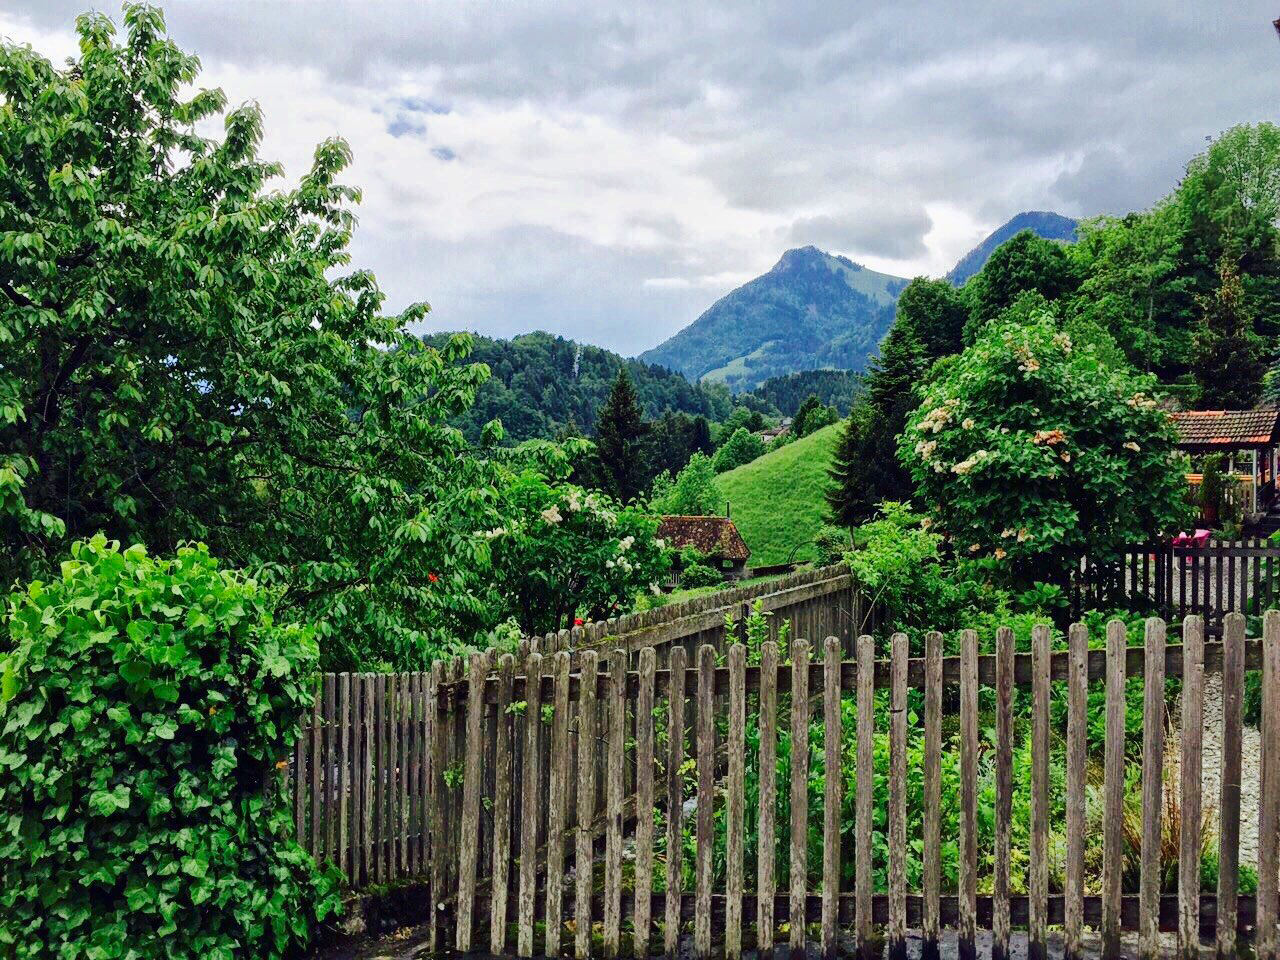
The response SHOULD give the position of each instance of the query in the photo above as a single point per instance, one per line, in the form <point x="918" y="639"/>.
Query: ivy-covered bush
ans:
<point x="147" y="706"/>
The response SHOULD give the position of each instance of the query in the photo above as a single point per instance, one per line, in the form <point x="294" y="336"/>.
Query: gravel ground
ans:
<point x="1249" y="769"/>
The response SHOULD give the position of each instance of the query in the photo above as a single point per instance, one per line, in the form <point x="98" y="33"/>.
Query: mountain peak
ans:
<point x="1044" y="223"/>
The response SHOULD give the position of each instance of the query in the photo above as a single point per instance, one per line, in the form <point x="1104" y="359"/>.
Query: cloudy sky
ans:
<point x="606" y="171"/>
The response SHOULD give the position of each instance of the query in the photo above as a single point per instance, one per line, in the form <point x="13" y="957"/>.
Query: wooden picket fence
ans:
<point x="1220" y="577"/>
<point x="363" y="769"/>
<point x="517" y="816"/>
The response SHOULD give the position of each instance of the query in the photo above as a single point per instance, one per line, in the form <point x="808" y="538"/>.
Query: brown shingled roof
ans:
<point x="712" y="536"/>
<point x="1226" y="429"/>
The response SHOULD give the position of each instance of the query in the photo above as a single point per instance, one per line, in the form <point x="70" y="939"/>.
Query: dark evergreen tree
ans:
<point x="866" y="468"/>
<point x="620" y="440"/>
<point x="798" y="423"/>
<point x="934" y="312"/>
<point x="1026" y="262"/>
<point x="1226" y="354"/>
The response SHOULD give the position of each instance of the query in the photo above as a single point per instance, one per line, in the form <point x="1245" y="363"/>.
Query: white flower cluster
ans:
<point x="964" y="466"/>
<point x="552" y="514"/>
<point x="938" y="417"/>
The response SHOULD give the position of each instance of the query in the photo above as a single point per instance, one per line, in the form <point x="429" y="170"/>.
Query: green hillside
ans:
<point x="777" y="500"/>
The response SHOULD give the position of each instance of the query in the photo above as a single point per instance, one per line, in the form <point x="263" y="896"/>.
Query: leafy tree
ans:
<point x="743" y="447"/>
<point x="1025" y="262"/>
<point x="693" y="492"/>
<point x="934" y="313"/>
<point x="186" y="359"/>
<point x="620" y="437"/>
<point x="566" y="552"/>
<point x="1226" y="354"/>
<point x="1030" y="449"/>
<point x="740" y="418"/>
<point x="799" y="423"/>
<point x="147" y="707"/>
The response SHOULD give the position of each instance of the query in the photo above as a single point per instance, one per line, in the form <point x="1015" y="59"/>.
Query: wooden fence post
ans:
<point x="1229" y="794"/>
<point x="706" y="761"/>
<point x="1152" y="790"/>
<point x="736" y="746"/>
<point x="799" y="791"/>
<point x="1113" y="789"/>
<point x="1192" y="737"/>
<point x="1000" y="918"/>
<point x="865" y="773"/>
<point x="897" y="931"/>
<point x="675" y="797"/>
<point x="767" y="838"/>
<point x="932" y="866"/>
<point x="968" y="795"/>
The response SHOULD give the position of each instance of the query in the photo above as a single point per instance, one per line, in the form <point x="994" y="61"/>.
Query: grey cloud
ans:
<point x="867" y="110"/>
<point x="896" y="233"/>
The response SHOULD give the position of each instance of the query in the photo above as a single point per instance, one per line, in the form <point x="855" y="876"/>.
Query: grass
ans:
<point x="777" y="500"/>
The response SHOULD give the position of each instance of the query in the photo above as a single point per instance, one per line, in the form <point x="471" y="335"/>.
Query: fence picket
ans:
<point x="300" y="785"/>
<point x="438" y="732"/>
<point x="588" y="671"/>
<point x="467" y="849"/>
<point x="706" y="766"/>
<point x="331" y="769"/>
<point x="675" y="798"/>
<point x="1038" y="863"/>
<point x="1152" y="790"/>
<point x="1000" y="920"/>
<point x="897" y="930"/>
<point x="1229" y="793"/>
<point x="735" y="787"/>
<point x="614" y="767"/>
<point x="1269" y="788"/>
<point x="799" y="791"/>
<point x="644" y="802"/>
<point x="500" y="875"/>
<point x="1190" y="800"/>
<point x="1077" y="746"/>
<point x="968" y="866"/>
<point x="366" y="779"/>
<point x="317" y="765"/>
<point x="1113" y="790"/>
<point x="766" y="835"/>
<point x="529" y="804"/>
<point x="932" y="865"/>
<point x="556" y="813"/>
<point x="863" y="821"/>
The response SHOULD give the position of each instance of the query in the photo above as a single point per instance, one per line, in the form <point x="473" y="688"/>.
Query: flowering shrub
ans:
<point x="566" y="554"/>
<point x="1031" y="448"/>
<point x="145" y="705"/>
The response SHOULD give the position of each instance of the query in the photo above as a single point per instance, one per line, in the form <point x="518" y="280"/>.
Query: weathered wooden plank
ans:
<point x="392" y="760"/>
<point x="586" y="804"/>
<point x="529" y="809"/>
<point x="1000" y="921"/>
<point x="706" y="764"/>
<point x="346" y="778"/>
<point x="864" y="823"/>
<point x="767" y="836"/>
<point x="1229" y="788"/>
<point x="379" y="863"/>
<point x="558" y="797"/>
<point x="403" y="714"/>
<point x="968" y="866"/>
<point x="1269" y="788"/>
<point x="932" y="864"/>
<point x="300" y="783"/>
<point x="1152" y="791"/>
<point x="331" y="769"/>
<point x="1113" y="791"/>
<point x="1038" y="863"/>
<point x="675" y="798"/>
<point x="642" y="919"/>
<point x="615" y="790"/>
<point x="317" y="766"/>
<point x="897" y="928"/>
<point x="471" y="773"/>
<point x="500" y="875"/>
<point x="799" y="791"/>
<point x="734" y="801"/>
<point x="367" y="738"/>
<point x="1192" y="735"/>
<point x="1077" y="748"/>
<point x="438" y="732"/>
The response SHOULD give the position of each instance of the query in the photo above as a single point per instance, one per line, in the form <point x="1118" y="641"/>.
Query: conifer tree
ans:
<point x="1226" y="355"/>
<point x="620" y="434"/>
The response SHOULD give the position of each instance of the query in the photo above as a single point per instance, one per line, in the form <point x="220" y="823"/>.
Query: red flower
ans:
<point x="578" y="621"/>
<point x="433" y="578"/>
